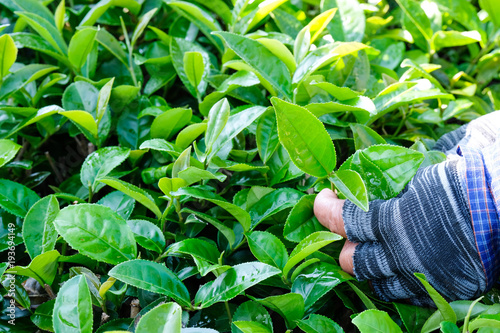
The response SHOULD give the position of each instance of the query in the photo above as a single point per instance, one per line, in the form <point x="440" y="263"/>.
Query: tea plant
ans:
<point x="159" y="159"/>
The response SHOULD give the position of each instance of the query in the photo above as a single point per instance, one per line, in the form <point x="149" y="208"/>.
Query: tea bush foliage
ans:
<point x="159" y="159"/>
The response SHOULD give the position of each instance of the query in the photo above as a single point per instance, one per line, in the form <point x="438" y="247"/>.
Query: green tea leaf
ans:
<point x="46" y="30"/>
<point x="310" y="33"/>
<point x="340" y="93"/>
<point x="239" y="79"/>
<point x="307" y="246"/>
<point x="182" y="162"/>
<point x="15" y="198"/>
<point x="168" y="185"/>
<point x="226" y="231"/>
<point x="42" y="268"/>
<point x="102" y="6"/>
<point x="187" y="135"/>
<point x="148" y="235"/>
<point x="163" y="318"/>
<point x="36" y="117"/>
<point x="413" y="316"/>
<point x="194" y="68"/>
<point x="152" y="277"/>
<point x="194" y="175"/>
<point x="135" y="192"/>
<point x="492" y="9"/>
<point x="141" y="25"/>
<point x="403" y="93"/>
<point x="233" y="282"/>
<point x="396" y="165"/>
<point x="319" y="324"/>
<point x="290" y="306"/>
<point x="98" y="232"/>
<point x="178" y="47"/>
<point x="217" y="120"/>
<point x="39" y="233"/>
<point x="267" y="248"/>
<point x="109" y="42"/>
<point x="351" y="185"/>
<point x="365" y="137"/>
<point x="323" y="56"/>
<point x="197" y="248"/>
<point x="305" y="139"/>
<point x="118" y="202"/>
<point x="301" y="221"/>
<point x="8" y="54"/>
<point x="263" y="9"/>
<point x="442" y="39"/>
<point x="21" y="77"/>
<point x="59" y="15"/>
<point x="99" y="164"/>
<point x="42" y="317"/>
<point x="161" y="145"/>
<point x="83" y="119"/>
<point x="250" y="327"/>
<point x="461" y="309"/>
<point x="317" y="280"/>
<point x="73" y="307"/>
<point x="37" y="43"/>
<point x="103" y="99"/>
<point x="349" y="23"/>
<point x="371" y="321"/>
<point x="235" y="124"/>
<point x="267" y="135"/>
<point x="490" y="321"/>
<point x="443" y="306"/>
<point x="199" y="17"/>
<point x="273" y="203"/>
<point x="263" y="61"/>
<point x="253" y="311"/>
<point x="8" y="150"/>
<point x="220" y="8"/>
<point x="239" y="214"/>
<point x="170" y="122"/>
<point x="80" y="46"/>
<point x="281" y="51"/>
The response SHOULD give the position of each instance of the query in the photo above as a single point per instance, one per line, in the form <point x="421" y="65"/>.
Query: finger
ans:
<point x="328" y="211"/>
<point x="346" y="257"/>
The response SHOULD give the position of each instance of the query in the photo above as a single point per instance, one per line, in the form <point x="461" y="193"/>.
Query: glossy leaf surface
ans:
<point x="39" y="233"/>
<point x="233" y="282"/>
<point x="73" y="307"/>
<point x="97" y="232"/>
<point x="305" y="139"/>
<point x="153" y="277"/>
<point x="163" y="318"/>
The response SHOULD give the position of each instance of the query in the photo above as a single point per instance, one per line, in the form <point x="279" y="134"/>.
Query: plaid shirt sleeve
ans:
<point x="482" y="180"/>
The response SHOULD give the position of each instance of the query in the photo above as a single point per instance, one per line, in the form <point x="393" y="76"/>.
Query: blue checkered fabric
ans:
<point x="482" y="179"/>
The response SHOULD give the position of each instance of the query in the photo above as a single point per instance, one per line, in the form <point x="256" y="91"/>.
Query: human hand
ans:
<point x="426" y="229"/>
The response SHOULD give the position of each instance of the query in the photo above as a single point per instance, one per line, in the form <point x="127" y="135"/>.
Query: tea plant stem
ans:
<point x="228" y="312"/>
<point x="163" y="220"/>
<point x="237" y="247"/>
<point x="481" y="53"/>
<point x="130" y="52"/>
<point x="63" y="252"/>
<point x="401" y="123"/>
<point x="49" y="291"/>
<point x="90" y="194"/>
<point x="54" y="168"/>
<point x="467" y="318"/>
